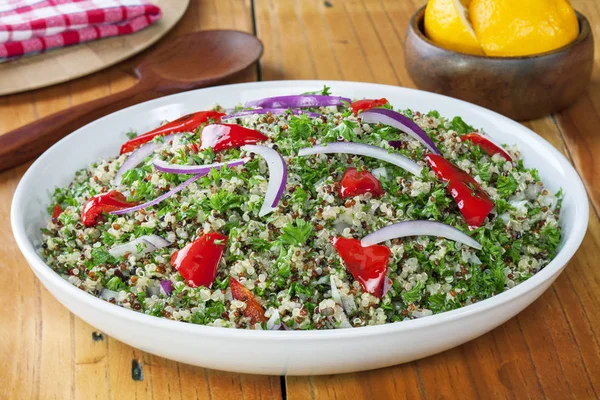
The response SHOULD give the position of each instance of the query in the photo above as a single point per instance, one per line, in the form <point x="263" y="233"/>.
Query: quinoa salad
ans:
<point x="299" y="212"/>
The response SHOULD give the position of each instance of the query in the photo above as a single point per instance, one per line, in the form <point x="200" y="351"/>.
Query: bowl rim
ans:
<point x="585" y="31"/>
<point x="51" y="278"/>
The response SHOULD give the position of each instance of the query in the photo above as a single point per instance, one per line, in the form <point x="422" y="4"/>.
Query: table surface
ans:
<point x="552" y="349"/>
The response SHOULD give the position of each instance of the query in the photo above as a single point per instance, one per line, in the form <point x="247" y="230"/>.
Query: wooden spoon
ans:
<point x="189" y="62"/>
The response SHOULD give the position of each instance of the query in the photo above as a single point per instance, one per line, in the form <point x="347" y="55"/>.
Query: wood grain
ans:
<point x="68" y="63"/>
<point x="579" y="123"/>
<point x="551" y="350"/>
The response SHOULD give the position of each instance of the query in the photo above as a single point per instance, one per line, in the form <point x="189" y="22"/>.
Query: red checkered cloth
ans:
<point x="34" y="26"/>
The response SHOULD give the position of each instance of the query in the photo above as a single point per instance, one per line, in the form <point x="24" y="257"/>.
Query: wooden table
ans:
<point x="552" y="349"/>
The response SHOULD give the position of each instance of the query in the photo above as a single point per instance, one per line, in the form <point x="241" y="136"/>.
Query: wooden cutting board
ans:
<point x="62" y="65"/>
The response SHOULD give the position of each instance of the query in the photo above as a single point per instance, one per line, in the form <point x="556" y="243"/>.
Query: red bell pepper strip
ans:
<point x="187" y="123"/>
<point x="105" y="202"/>
<point x="356" y="182"/>
<point x="254" y="310"/>
<point x="56" y="213"/>
<point x="368" y="265"/>
<point x="226" y="136"/>
<point x="197" y="262"/>
<point x="486" y="145"/>
<point x="473" y="202"/>
<point x="367" y="104"/>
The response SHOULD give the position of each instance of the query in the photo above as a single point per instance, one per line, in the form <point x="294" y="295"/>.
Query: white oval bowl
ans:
<point x="289" y="352"/>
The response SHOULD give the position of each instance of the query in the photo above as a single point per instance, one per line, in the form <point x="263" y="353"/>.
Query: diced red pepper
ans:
<point x="56" y="213"/>
<point x="105" y="202"/>
<point x="187" y="123"/>
<point x="227" y="136"/>
<point x="356" y="182"/>
<point x="197" y="262"/>
<point x="473" y="202"/>
<point x="486" y="145"/>
<point x="254" y="310"/>
<point x="367" y="104"/>
<point x="368" y="265"/>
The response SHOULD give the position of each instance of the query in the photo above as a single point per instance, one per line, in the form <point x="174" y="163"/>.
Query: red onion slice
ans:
<point x="157" y="241"/>
<point x="274" y="323"/>
<point x="399" y="121"/>
<point x="149" y="243"/>
<point x="298" y="101"/>
<point x="158" y="199"/>
<point x="139" y="155"/>
<point x="196" y="169"/>
<point x="277" y="176"/>
<point x="361" y="149"/>
<point x="274" y="111"/>
<point x="346" y="302"/>
<point x="167" y="286"/>
<point x="419" y="228"/>
<point x="335" y="293"/>
<point x="379" y="173"/>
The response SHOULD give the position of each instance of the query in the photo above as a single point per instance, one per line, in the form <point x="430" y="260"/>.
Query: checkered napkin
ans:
<point x="34" y="26"/>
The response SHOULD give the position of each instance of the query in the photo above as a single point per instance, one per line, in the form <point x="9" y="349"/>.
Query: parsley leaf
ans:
<point x="414" y="294"/>
<point x="224" y="200"/>
<point x="115" y="283"/>
<point x="326" y="91"/>
<point x="506" y="185"/>
<point x="296" y="234"/>
<point x="100" y="256"/>
<point x="460" y="126"/>
<point x="514" y="252"/>
<point x="131" y="134"/>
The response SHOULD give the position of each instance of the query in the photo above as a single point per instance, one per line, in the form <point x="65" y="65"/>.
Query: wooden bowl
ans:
<point x="519" y="87"/>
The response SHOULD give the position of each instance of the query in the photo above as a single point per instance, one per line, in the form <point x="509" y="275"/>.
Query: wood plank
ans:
<point x="579" y="122"/>
<point x="538" y="354"/>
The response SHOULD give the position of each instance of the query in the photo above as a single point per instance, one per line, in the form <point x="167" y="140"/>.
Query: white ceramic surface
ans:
<point x="288" y="352"/>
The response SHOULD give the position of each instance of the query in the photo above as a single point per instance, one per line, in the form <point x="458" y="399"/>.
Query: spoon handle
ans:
<point x="29" y="141"/>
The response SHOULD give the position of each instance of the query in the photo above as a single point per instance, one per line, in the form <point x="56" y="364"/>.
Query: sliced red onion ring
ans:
<point x="196" y="169"/>
<point x="139" y="155"/>
<point x="274" y="111"/>
<point x="159" y="198"/>
<point x="167" y="286"/>
<point x="298" y="101"/>
<point x="157" y="241"/>
<point x="343" y="319"/>
<point x="278" y="174"/>
<point x="380" y="172"/>
<point x="149" y="243"/>
<point x="419" y="228"/>
<point x="335" y="293"/>
<point x="396" y="144"/>
<point x="274" y="323"/>
<point x="361" y="149"/>
<point x="345" y="301"/>
<point x="399" y="121"/>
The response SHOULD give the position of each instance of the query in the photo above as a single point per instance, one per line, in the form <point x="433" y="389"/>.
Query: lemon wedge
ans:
<point x="447" y="24"/>
<point x="517" y="28"/>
